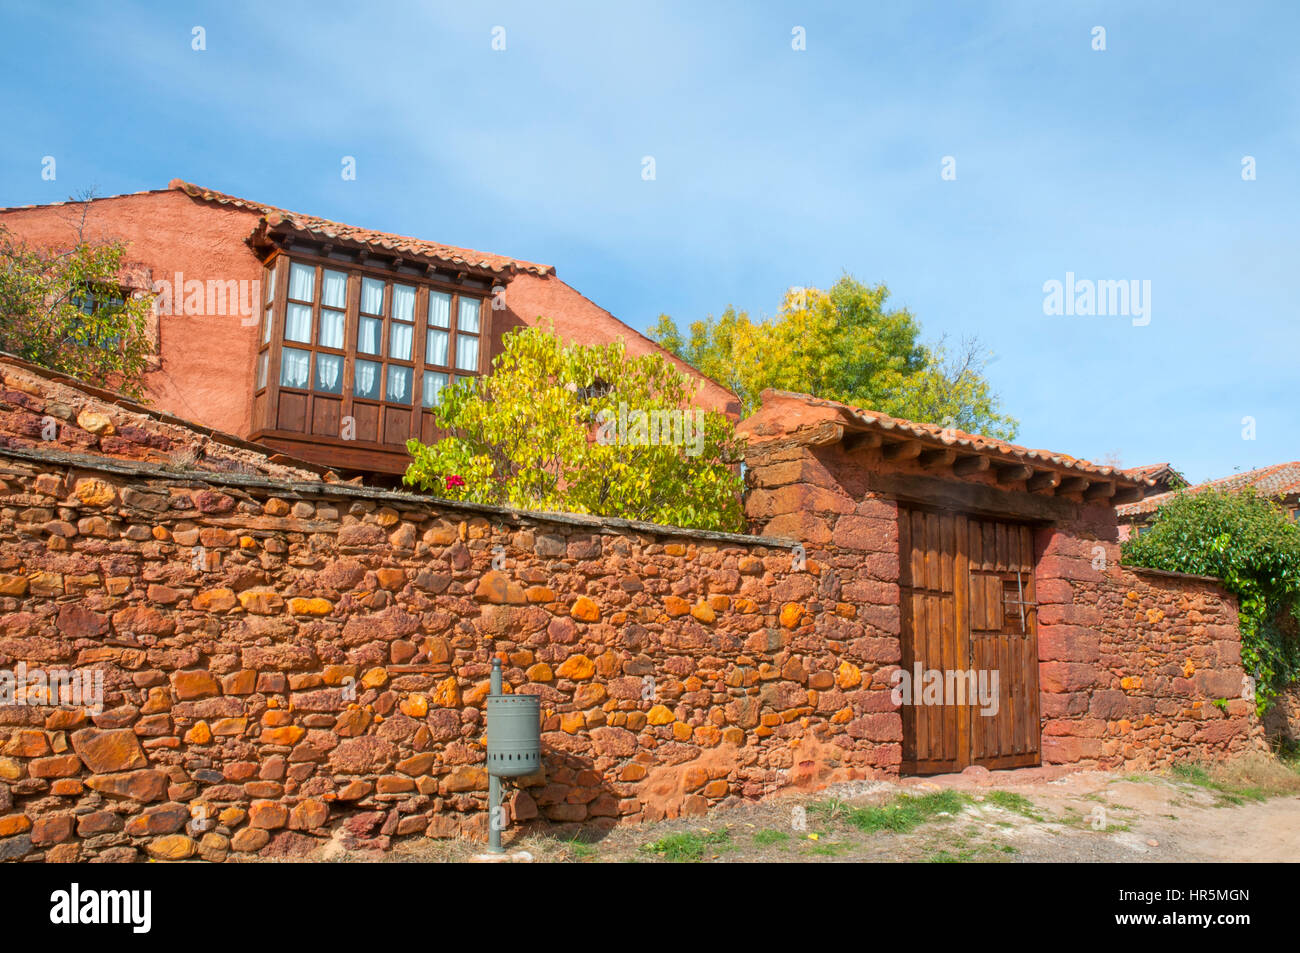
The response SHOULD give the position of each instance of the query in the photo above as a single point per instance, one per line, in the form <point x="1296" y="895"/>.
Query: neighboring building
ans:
<point x="326" y="341"/>
<point x="1280" y="481"/>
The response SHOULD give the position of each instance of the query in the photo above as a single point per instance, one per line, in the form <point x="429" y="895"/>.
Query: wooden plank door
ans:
<point x="1004" y="639"/>
<point x="966" y="584"/>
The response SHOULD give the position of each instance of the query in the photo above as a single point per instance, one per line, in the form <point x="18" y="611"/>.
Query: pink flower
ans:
<point x="453" y="480"/>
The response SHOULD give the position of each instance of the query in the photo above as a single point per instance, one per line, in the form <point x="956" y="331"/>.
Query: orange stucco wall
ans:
<point x="205" y="367"/>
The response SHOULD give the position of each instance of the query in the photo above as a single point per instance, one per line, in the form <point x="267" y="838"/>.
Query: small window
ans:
<point x="331" y="329"/>
<point x="434" y="382"/>
<point x="466" y="352"/>
<point x="329" y="374"/>
<point x="399" y="385"/>
<point x="468" y="319"/>
<point x="262" y="360"/>
<point x="297" y="323"/>
<point x="372" y="296"/>
<point x="369" y="333"/>
<point x="295" y="366"/>
<point x="302" y="282"/>
<point x="367" y="380"/>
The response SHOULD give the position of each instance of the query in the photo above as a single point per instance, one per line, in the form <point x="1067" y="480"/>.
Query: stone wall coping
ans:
<point x="81" y="461"/>
<point x="1148" y="570"/>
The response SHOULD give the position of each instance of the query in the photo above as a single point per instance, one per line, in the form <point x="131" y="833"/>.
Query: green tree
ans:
<point x="583" y="429"/>
<point x="1247" y="541"/>
<point x="843" y="344"/>
<point x="64" y="309"/>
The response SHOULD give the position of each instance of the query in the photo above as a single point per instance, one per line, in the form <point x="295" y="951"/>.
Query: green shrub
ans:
<point x="1248" y="541"/>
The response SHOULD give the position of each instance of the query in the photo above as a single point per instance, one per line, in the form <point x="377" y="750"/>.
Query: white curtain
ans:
<point x="295" y="367"/>
<point x="435" y="349"/>
<point x="329" y="368"/>
<point x="367" y="379"/>
<point x="262" y="360"/>
<point x="297" y="323"/>
<point x="302" y="280"/>
<point x="334" y="289"/>
<point x="403" y="303"/>
<point x="368" y="330"/>
<point x="270" y="285"/>
<point x="372" y="296"/>
<point x="439" y="309"/>
<point x="266" y="327"/>
<point x="433" y="385"/>
<point x="466" y="352"/>
<point x="399" y="384"/>
<point x="399" y="340"/>
<point x="331" y="329"/>
<point x="468" y="320"/>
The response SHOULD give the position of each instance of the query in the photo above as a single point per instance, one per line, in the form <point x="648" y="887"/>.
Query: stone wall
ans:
<point x="283" y="661"/>
<point x="1133" y="662"/>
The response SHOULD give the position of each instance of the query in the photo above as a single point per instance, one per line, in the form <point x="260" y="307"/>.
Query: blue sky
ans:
<point x="774" y="167"/>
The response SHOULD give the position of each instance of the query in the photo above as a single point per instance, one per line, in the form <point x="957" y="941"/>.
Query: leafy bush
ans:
<point x="1247" y="541"/>
<point x="583" y="429"/>
<point x="62" y="309"/>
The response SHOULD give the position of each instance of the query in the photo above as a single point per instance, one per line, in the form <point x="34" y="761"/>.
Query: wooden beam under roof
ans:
<point x="1100" y="491"/>
<point x="974" y="463"/>
<point x="1043" y="480"/>
<point x="1013" y="472"/>
<point x="902" y="450"/>
<point x="933" y="459"/>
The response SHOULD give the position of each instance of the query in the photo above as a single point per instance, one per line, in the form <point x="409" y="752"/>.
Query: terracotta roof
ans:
<point x="324" y="228"/>
<point x="859" y="419"/>
<point x="1280" y="479"/>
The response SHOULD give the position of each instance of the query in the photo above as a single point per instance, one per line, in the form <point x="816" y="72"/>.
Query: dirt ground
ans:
<point x="1247" y="812"/>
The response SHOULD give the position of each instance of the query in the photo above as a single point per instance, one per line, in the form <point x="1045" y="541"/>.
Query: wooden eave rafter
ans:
<point x="1040" y="473"/>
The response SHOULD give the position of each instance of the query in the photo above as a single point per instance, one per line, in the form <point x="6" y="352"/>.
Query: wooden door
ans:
<point x="968" y="613"/>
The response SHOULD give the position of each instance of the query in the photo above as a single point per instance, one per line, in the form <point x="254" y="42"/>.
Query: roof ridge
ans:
<point x="366" y="235"/>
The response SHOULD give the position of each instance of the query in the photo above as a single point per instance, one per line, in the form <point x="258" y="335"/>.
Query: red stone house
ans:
<point x="323" y="340"/>
<point x="1280" y="481"/>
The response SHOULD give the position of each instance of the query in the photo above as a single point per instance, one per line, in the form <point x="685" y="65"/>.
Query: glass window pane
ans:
<point x="270" y="285"/>
<point x="295" y="366"/>
<point x="403" y="303"/>
<point x="439" y="309"/>
<point x="297" y="323"/>
<point x="368" y="332"/>
<point x="468" y="319"/>
<point x="434" y="382"/>
<point x="466" y="352"/>
<point x="262" y="360"/>
<point x="266" y="326"/>
<point x="331" y="329"/>
<point x="399" y="340"/>
<point x="372" y="296"/>
<point x="302" y="281"/>
<point x="334" y="289"/>
<point x="399" y="385"/>
<point x="329" y="374"/>
<point x="435" y="348"/>
<point x="367" y="380"/>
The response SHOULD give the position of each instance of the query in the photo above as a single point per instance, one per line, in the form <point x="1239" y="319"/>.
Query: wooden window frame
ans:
<point x="276" y="273"/>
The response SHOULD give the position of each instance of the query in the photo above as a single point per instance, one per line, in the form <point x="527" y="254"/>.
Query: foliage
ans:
<point x="63" y="309"/>
<point x="570" y="427"/>
<point x="1247" y="541"/>
<point x="689" y="847"/>
<point x="843" y="344"/>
